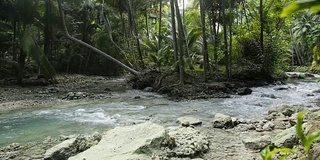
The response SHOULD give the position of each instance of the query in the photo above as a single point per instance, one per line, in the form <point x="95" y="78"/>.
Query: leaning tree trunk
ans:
<point x="204" y="44"/>
<point x="91" y="47"/>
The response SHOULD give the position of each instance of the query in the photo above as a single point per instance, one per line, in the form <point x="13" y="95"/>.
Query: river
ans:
<point x="123" y="109"/>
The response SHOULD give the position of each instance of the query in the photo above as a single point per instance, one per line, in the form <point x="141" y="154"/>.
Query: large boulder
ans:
<point x="71" y="147"/>
<point x="186" y="142"/>
<point x="257" y="143"/>
<point x="222" y="121"/>
<point x="287" y="138"/>
<point x="137" y="142"/>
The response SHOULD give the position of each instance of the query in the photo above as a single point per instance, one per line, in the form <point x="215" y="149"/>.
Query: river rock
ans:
<point x="136" y="142"/>
<point x="285" y="110"/>
<point x="313" y="115"/>
<point x="71" y="147"/>
<point x="75" y="95"/>
<point x="62" y="151"/>
<point x="244" y="91"/>
<point x="257" y="143"/>
<point x="186" y="121"/>
<point x="53" y="90"/>
<point x="287" y="138"/>
<point x="269" y="126"/>
<point x="186" y="142"/>
<point x="148" y="89"/>
<point x="245" y="127"/>
<point x="222" y="121"/>
<point x="314" y="153"/>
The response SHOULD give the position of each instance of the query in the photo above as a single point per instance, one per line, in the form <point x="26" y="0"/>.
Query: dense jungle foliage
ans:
<point x="240" y="38"/>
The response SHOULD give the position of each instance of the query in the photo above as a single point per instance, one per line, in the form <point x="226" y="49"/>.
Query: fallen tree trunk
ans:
<point x="134" y="72"/>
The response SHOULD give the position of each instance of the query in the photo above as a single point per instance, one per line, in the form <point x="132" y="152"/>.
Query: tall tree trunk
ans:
<point x="14" y="54"/>
<point x="181" y="41"/>
<point x="147" y="21"/>
<point x="160" y="25"/>
<point x="47" y="27"/>
<point x="135" y="31"/>
<point x="261" y="27"/>
<point x="225" y="39"/>
<point x="183" y="11"/>
<point x="22" y="62"/>
<point x="174" y="35"/>
<point x="91" y="47"/>
<point x="216" y="36"/>
<point x="47" y="32"/>
<point x="230" y="37"/>
<point x="127" y="39"/>
<point x="204" y="44"/>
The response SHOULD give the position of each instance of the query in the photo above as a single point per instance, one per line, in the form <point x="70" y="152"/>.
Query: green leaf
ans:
<point x="314" y="5"/>
<point x="265" y="151"/>
<point x="278" y="150"/>
<point x="299" y="127"/>
<point x="193" y="36"/>
<point x="311" y="138"/>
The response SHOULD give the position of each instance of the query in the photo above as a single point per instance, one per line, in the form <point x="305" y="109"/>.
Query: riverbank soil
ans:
<point x="194" y="87"/>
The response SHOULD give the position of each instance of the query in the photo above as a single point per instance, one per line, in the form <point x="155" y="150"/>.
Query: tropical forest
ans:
<point x="159" y="79"/>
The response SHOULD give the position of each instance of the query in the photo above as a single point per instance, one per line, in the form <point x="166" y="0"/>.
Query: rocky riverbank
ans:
<point x="224" y="137"/>
<point x="71" y="89"/>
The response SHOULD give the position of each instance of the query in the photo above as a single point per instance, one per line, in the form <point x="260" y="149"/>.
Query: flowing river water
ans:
<point x="123" y="109"/>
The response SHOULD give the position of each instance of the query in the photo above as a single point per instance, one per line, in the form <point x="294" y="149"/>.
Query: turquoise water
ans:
<point x="123" y="109"/>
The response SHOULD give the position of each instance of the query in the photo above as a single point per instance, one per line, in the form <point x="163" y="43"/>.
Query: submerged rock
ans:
<point x="281" y="88"/>
<point x="222" y="121"/>
<point x="316" y="91"/>
<point x="122" y="143"/>
<point x="244" y="91"/>
<point x="148" y="89"/>
<point x="268" y="96"/>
